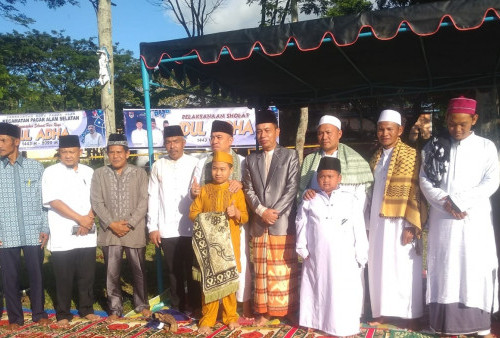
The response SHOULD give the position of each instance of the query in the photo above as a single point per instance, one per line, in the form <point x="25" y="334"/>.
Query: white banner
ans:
<point x="196" y="124"/>
<point x="42" y="131"/>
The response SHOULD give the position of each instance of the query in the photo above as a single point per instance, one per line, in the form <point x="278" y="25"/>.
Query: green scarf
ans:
<point x="206" y="173"/>
<point x="355" y="169"/>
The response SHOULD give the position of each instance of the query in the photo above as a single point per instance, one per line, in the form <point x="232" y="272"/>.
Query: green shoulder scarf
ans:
<point x="355" y="169"/>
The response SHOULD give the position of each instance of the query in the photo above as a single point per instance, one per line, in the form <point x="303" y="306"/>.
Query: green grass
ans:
<point x="100" y="282"/>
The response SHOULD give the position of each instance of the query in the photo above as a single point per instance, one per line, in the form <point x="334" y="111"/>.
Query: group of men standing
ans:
<point x="456" y="174"/>
<point x="63" y="201"/>
<point x="335" y="193"/>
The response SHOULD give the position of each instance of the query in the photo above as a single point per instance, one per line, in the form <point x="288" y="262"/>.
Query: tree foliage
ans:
<point x="42" y="72"/>
<point x="274" y="12"/>
<point x="9" y="9"/>
<point x="331" y="8"/>
<point x="400" y="3"/>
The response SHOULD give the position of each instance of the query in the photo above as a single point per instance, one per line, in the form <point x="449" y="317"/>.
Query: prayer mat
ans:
<point x="214" y="253"/>
<point x="139" y="327"/>
<point x="123" y="327"/>
<point x="276" y="329"/>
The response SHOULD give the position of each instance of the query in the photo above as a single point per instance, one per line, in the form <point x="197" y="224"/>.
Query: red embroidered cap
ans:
<point x="462" y="105"/>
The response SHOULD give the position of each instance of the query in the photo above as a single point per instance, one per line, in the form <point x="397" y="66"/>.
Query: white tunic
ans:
<point x="358" y="189"/>
<point x="394" y="270"/>
<point x="331" y="238"/>
<point x="462" y="260"/>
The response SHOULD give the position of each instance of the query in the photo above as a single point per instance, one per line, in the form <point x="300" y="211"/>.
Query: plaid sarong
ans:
<point x="213" y="248"/>
<point x="276" y="274"/>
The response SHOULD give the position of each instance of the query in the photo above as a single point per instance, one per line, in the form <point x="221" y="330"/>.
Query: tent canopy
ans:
<point x="423" y="48"/>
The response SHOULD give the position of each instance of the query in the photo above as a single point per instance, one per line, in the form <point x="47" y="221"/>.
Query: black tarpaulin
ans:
<point x="429" y="47"/>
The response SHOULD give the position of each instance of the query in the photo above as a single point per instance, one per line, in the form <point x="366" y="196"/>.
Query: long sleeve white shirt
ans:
<point x="169" y="198"/>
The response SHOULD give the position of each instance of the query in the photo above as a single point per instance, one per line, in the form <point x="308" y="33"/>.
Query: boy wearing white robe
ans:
<point x="459" y="173"/>
<point x="332" y="241"/>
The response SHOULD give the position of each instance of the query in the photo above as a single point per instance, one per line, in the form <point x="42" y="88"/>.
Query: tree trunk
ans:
<point x="294" y="13"/>
<point x="105" y="40"/>
<point x="301" y="132"/>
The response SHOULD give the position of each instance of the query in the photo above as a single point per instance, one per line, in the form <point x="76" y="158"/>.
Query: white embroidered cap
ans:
<point x="390" y="115"/>
<point x="329" y="119"/>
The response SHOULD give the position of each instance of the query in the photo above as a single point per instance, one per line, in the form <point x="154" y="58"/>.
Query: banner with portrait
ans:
<point x="196" y="124"/>
<point x="41" y="131"/>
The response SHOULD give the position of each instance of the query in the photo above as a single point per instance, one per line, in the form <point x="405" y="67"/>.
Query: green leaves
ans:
<point x="42" y="72"/>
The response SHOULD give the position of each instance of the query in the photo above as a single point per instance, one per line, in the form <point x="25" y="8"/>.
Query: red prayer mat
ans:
<point x="136" y="327"/>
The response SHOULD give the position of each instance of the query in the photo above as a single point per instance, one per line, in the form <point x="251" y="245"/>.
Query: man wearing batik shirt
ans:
<point x="23" y="226"/>
<point x="119" y="197"/>
<point x="458" y="175"/>
<point x="66" y="193"/>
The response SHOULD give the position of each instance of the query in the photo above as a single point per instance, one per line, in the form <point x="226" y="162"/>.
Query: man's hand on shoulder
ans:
<point x="235" y="186"/>
<point x="309" y="194"/>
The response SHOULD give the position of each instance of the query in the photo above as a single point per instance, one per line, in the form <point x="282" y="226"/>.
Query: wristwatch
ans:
<point x="130" y="226"/>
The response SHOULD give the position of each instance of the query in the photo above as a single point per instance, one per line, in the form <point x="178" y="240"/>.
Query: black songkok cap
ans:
<point x="222" y="126"/>
<point x="329" y="163"/>
<point x="265" y="116"/>
<point x="172" y="131"/>
<point x="10" y="130"/>
<point x="117" y="140"/>
<point x="69" y="141"/>
<point x="139" y="120"/>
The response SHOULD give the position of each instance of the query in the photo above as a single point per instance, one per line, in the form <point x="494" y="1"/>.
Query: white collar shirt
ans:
<point x="169" y="198"/>
<point x="73" y="188"/>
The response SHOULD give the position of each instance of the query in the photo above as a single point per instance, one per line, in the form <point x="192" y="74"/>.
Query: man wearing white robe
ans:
<point x="459" y="173"/>
<point x="331" y="238"/>
<point x="394" y="265"/>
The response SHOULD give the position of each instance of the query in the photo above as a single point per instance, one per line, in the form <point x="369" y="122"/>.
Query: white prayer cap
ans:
<point x="389" y="115"/>
<point x="329" y="119"/>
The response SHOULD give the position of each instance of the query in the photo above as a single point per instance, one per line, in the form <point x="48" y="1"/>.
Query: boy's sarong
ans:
<point x="276" y="274"/>
<point x="214" y="253"/>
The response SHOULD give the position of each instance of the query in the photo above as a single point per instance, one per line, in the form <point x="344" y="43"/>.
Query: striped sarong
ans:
<point x="276" y="274"/>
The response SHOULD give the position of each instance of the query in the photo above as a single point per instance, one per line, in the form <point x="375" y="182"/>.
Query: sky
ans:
<point x="134" y="21"/>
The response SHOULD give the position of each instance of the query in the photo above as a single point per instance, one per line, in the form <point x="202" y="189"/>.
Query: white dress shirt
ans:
<point x="73" y="188"/>
<point x="169" y="198"/>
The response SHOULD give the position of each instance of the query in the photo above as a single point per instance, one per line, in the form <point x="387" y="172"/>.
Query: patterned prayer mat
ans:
<point x="139" y="327"/>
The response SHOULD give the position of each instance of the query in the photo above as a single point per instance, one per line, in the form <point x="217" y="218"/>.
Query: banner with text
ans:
<point x="42" y="130"/>
<point x="196" y="124"/>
